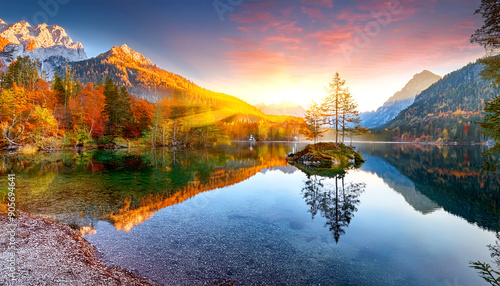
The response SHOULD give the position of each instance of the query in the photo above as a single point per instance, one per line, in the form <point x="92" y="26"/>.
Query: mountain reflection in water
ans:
<point x="128" y="187"/>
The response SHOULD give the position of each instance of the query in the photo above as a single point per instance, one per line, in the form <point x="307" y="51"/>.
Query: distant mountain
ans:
<point x="400" y="100"/>
<point x="448" y="110"/>
<point x="145" y="80"/>
<point x="284" y="108"/>
<point x="48" y="44"/>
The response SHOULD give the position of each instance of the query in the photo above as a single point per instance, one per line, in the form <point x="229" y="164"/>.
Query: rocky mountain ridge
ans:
<point x="50" y="45"/>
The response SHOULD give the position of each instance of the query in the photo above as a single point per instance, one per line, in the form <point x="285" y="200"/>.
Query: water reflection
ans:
<point x="337" y="202"/>
<point x="435" y="176"/>
<point x="256" y="228"/>
<point x="128" y="187"/>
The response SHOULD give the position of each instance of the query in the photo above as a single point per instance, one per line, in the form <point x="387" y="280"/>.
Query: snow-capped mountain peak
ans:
<point x="51" y="45"/>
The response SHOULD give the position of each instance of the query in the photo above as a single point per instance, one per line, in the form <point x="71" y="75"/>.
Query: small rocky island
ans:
<point x="326" y="155"/>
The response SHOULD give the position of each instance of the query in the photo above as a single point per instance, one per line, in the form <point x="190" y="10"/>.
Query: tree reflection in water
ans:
<point x="336" y="202"/>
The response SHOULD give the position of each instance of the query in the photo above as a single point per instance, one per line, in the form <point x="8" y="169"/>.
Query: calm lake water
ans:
<point x="411" y="215"/>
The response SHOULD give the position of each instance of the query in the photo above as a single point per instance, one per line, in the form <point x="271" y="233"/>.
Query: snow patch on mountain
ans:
<point x="50" y="45"/>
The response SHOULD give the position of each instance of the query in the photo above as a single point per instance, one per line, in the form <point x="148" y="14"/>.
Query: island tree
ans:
<point x="338" y="111"/>
<point x="349" y="116"/>
<point x="314" y="126"/>
<point x="332" y="104"/>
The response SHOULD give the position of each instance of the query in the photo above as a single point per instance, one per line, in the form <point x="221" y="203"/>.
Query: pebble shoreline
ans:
<point x="51" y="253"/>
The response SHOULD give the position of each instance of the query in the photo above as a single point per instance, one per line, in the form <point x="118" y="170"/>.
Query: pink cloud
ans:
<point x="289" y="27"/>
<point x="330" y="38"/>
<point x="293" y="41"/>
<point x="282" y="39"/>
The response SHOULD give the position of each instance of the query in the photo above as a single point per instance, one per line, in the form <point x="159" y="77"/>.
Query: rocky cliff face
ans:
<point x="400" y="100"/>
<point x="50" y="45"/>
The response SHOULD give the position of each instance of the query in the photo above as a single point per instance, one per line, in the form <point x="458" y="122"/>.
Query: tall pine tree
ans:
<point x="332" y="104"/>
<point x="23" y="72"/>
<point x="112" y="107"/>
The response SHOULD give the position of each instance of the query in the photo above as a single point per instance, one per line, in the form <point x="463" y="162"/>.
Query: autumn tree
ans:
<point x="87" y="109"/>
<point x="22" y="121"/>
<point x="176" y="114"/>
<point x="357" y="129"/>
<point x="42" y="126"/>
<point x="488" y="36"/>
<point x="142" y="114"/>
<point x="15" y="107"/>
<point x="161" y="125"/>
<point x="332" y="104"/>
<point x="314" y="125"/>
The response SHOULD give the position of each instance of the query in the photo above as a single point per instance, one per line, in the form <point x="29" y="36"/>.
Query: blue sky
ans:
<point x="273" y="51"/>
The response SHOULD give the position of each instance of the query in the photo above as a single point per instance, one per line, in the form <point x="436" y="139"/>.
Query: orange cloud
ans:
<point x="304" y="42"/>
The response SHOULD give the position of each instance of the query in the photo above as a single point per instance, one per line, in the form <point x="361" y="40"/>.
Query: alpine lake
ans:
<point x="412" y="214"/>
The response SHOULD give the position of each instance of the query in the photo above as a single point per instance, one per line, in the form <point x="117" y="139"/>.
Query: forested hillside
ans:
<point x="145" y="80"/>
<point x="449" y="110"/>
<point x="400" y="100"/>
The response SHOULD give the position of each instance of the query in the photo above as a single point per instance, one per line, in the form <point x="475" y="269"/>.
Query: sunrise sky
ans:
<point x="274" y="51"/>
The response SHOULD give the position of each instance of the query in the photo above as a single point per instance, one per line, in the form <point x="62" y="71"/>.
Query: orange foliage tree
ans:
<point x="22" y="120"/>
<point x="142" y="111"/>
<point x="87" y="109"/>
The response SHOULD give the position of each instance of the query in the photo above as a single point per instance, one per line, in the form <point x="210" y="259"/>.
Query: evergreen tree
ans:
<point x="112" y="107"/>
<point x="332" y="104"/>
<point x="23" y="72"/>
<point x="491" y="127"/>
<point x="314" y="127"/>
<point x="71" y="86"/>
<point x="488" y="36"/>
<point x="58" y="88"/>
<point x="349" y="113"/>
<point x="125" y="106"/>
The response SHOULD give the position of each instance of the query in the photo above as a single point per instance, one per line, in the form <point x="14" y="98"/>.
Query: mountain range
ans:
<point x="145" y="80"/>
<point x="54" y="49"/>
<point x="400" y="100"/>
<point x="50" y="45"/>
<point x="449" y="110"/>
<point x="428" y="108"/>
